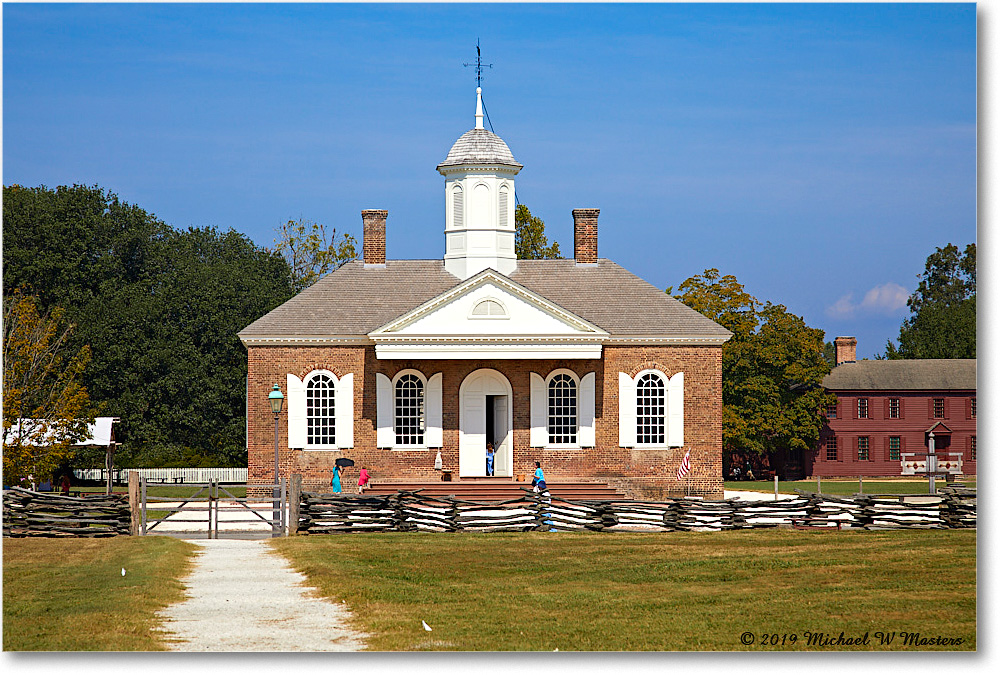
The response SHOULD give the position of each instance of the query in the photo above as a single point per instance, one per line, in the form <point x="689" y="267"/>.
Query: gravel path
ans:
<point x="242" y="597"/>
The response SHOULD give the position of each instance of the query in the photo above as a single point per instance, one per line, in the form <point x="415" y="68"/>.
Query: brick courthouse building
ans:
<point x="575" y="363"/>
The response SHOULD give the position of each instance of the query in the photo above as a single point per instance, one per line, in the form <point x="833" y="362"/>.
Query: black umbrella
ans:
<point x="343" y="461"/>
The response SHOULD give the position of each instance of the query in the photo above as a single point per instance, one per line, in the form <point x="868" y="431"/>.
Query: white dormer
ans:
<point x="479" y="202"/>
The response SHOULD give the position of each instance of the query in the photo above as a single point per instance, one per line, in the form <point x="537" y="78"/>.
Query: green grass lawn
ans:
<point x="69" y="594"/>
<point x="631" y="592"/>
<point x="840" y="487"/>
<point x="172" y="490"/>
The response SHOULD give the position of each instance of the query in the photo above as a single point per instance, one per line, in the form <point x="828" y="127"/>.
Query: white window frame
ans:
<point x="666" y="408"/>
<point x="628" y="423"/>
<point x="343" y="410"/>
<point x="548" y="432"/>
<point x="489" y="317"/>
<point x="423" y="381"/>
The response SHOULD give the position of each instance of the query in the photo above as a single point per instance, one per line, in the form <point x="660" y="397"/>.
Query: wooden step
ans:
<point x="497" y="490"/>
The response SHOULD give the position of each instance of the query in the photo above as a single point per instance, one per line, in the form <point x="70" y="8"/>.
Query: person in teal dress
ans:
<point x="336" y="479"/>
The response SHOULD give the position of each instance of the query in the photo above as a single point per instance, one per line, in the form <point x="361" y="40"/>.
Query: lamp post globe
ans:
<point x="276" y="399"/>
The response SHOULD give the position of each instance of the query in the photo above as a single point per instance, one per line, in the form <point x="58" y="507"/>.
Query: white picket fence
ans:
<point x="186" y="475"/>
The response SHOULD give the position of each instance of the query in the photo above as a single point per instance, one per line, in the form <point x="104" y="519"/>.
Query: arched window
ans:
<point x="321" y="423"/>
<point x="457" y="207"/>
<point x="503" y="206"/>
<point x="650" y="410"/>
<point x="488" y="308"/>
<point x="409" y="413"/>
<point x="562" y="421"/>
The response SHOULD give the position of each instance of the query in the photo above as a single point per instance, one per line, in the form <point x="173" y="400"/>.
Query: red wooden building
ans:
<point x="886" y="409"/>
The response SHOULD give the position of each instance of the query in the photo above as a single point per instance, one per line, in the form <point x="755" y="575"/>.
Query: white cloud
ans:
<point x="886" y="299"/>
<point x="843" y="308"/>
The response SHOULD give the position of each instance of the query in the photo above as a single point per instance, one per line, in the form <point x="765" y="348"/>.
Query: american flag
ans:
<point x="685" y="466"/>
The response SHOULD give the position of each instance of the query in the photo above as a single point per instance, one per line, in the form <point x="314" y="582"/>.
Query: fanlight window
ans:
<point x="651" y="408"/>
<point x="489" y="308"/>
<point x="562" y="409"/>
<point x="321" y="424"/>
<point x="409" y="410"/>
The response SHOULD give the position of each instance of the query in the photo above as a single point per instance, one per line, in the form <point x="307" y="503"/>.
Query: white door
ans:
<point x="472" y="423"/>
<point x="503" y="459"/>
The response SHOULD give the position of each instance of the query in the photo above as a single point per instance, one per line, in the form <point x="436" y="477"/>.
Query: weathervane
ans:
<point x="479" y="65"/>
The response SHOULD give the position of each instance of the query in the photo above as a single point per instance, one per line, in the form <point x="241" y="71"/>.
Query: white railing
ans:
<point x="186" y="475"/>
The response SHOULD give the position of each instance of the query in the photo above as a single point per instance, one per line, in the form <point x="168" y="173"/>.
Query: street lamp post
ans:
<point x="276" y="399"/>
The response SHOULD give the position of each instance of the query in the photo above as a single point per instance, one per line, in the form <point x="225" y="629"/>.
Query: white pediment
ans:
<point x="489" y="314"/>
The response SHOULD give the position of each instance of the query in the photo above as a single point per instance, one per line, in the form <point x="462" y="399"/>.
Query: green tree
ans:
<point x="530" y="242"/>
<point x="942" y="324"/>
<point x="45" y="405"/>
<point x="772" y="367"/>
<point x="310" y="252"/>
<point x="159" y="308"/>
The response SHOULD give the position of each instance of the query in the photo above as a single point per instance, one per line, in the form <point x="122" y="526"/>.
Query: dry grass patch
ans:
<point x="629" y="592"/>
<point x="70" y="595"/>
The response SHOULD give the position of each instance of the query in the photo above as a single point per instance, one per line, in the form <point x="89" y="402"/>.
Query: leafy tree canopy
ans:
<point x="942" y="324"/>
<point x="160" y="309"/>
<point x="530" y="242"/>
<point x="310" y="252"/>
<point x="772" y="367"/>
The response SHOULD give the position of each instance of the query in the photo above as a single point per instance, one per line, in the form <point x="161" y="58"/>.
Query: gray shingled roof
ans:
<point x="479" y="146"/>
<point x="899" y="375"/>
<point x="353" y="301"/>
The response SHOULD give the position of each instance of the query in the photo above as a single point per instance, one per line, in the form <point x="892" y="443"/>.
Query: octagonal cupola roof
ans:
<point x="479" y="147"/>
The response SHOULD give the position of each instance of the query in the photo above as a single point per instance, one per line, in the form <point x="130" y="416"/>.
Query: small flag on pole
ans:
<point x="685" y="466"/>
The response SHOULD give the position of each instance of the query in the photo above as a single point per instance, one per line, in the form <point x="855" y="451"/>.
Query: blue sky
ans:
<point x="817" y="152"/>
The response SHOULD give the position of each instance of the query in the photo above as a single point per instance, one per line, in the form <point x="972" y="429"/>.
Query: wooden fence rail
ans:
<point x="409" y="511"/>
<point x="40" y="514"/>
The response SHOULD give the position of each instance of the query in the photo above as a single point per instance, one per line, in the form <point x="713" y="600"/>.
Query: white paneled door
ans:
<point x="480" y="387"/>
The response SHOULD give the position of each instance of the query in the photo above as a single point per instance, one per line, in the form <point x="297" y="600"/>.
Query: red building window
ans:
<point x="831" y="411"/>
<point x="972" y="407"/>
<point x="894" y="445"/>
<point x="939" y="408"/>
<point x="894" y="408"/>
<point x="831" y="449"/>
<point x="862" y="408"/>
<point x="972" y="447"/>
<point x="862" y="448"/>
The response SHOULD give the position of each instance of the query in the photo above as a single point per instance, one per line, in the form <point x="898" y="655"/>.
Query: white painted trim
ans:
<point x="586" y="434"/>
<point x="675" y="411"/>
<point x="548" y="382"/>
<point x="539" y="408"/>
<point x="344" y="395"/>
<point x="364" y="340"/>
<point x="296" y="412"/>
<point x="336" y="411"/>
<point x="433" y="410"/>
<point x="423" y="381"/>
<point x="487" y="351"/>
<point x="384" y="433"/>
<point x="626" y="411"/>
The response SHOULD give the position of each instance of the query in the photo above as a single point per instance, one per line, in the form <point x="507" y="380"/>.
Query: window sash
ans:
<point x="409" y="419"/>
<point x="894" y="447"/>
<point x="862" y="408"/>
<point x="650" y="410"/>
<point x="321" y="420"/>
<point x="938" y="408"/>
<point x="831" y="449"/>
<point x="562" y="410"/>
<point x="863" y="448"/>
<point x="894" y="408"/>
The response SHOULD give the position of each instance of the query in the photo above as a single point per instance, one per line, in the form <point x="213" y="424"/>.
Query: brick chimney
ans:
<point x="374" y="241"/>
<point x="846" y="349"/>
<point x="585" y="236"/>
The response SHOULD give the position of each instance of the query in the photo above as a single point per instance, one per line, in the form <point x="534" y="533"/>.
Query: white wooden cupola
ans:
<point x="479" y="202"/>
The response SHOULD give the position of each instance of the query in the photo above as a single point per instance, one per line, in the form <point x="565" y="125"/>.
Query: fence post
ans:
<point x="294" y="499"/>
<point x="775" y="487"/>
<point x="142" y="489"/>
<point x="819" y="486"/>
<point x="284" y="504"/>
<point x="861" y="485"/>
<point x="133" y="502"/>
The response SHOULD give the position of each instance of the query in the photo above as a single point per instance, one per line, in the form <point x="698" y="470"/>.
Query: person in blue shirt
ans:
<point x="489" y="459"/>
<point x="539" y="480"/>
<point x="336" y="479"/>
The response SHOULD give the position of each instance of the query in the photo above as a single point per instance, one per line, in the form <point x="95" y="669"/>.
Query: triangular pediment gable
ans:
<point x="489" y="304"/>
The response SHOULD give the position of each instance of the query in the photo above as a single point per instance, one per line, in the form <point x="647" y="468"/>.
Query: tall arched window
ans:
<point x="650" y="410"/>
<point x="409" y="413"/>
<point x="321" y="423"/>
<point x="562" y="420"/>
<point x="457" y="207"/>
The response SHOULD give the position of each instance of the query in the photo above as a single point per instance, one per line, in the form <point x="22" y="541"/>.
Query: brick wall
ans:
<point x="640" y="473"/>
